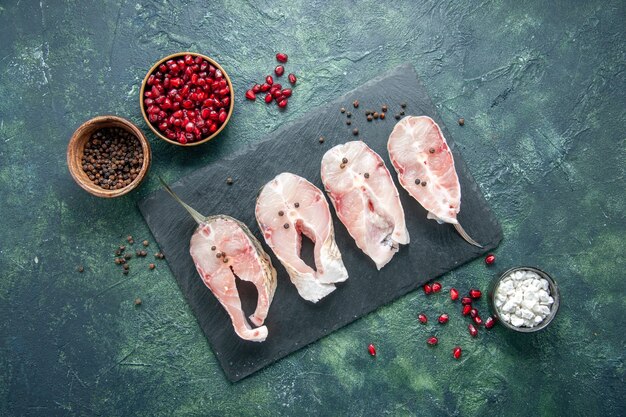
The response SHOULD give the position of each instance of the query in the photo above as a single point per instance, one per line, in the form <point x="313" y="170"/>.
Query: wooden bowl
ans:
<point x="76" y="148"/>
<point x="155" y="130"/>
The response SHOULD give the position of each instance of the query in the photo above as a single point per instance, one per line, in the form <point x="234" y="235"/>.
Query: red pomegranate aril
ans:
<point x="283" y="103"/>
<point x="279" y="70"/>
<point x="371" y="349"/>
<point x="280" y="57"/>
<point x="473" y="313"/>
<point x="478" y="320"/>
<point x="182" y="139"/>
<point x="162" y="68"/>
<point x="148" y="102"/>
<point x="466" y="300"/>
<point x="170" y="134"/>
<point x="225" y="91"/>
<point x="176" y="82"/>
<point x="466" y="309"/>
<point x="422" y="318"/>
<point x="436" y="287"/>
<point x="163" y="126"/>
<point x="276" y="94"/>
<point x="188" y="104"/>
<point x="457" y="352"/>
<point x="188" y="60"/>
<point x="472" y="330"/>
<point x="490" y="322"/>
<point x="212" y="128"/>
<point x="250" y="95"/>
<point x="213" y="115"/>
<point x="222" y="116"/>
<point x="432" y="341"/>
<point x="256" y="88"/>
<point x="153" y="118"/>
<point x="194" y="78"/>
<point x="265" y="87"/>
<point x="475" y="294"/>
<point x="427" y="289"/>
<point x="269" y="80"/>
<point x="454" y="294"/>
<point x="268" y="98"/>
<point x="189" y="127"/>
<point x="151" y="79"/>
<point x="225" y="101"/>
<point x="205" y="113"/>
<point x="443" y="319"/>
<point x="286" y="92"/>
<point x="178" y="114"/>
<point x="292" y="78"/>
<point x="490" y="259"/>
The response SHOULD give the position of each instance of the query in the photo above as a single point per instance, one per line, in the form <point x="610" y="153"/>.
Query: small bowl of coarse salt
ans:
<point x="525" y="299"/>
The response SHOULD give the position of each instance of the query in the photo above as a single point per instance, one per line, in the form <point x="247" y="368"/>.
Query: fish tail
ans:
<point x="199" y="218"/>
<point x="465" y="236"/>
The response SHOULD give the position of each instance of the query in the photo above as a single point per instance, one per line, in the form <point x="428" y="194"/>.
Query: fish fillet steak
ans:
<point x="365" y="199"/>
<point x="223" y="248"/>
<point x="425" y="166"/>
<point x="288" y="207"/>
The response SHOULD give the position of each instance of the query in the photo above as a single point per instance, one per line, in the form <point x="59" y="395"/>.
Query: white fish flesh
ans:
<point x="288" y="207"/>
<point x="425" y="166"/>
<point x="365" y="199"/>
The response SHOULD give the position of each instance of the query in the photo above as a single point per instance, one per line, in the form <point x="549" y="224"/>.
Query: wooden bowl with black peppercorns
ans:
<point x="108" y="156"/>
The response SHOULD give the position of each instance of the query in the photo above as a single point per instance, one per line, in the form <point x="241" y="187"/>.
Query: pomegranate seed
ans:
<point x="283" y="103"/>
<point x="475" y="294"/>
<point x="456" y="352"/>
<point x="371" y="349"/>
<point x="478" y="320"/>
<point x="189" y="127"/>
<point x="490" y="259"/>
<point x="205" y="113"/>
<point x="286" y="92"/>
<point x="256" y="88"/>
<point x="473" y="313"/>
<point x="188" y="60"/>
<point x="163" y="126"/>
<point x="454" y="294"/>
<point x="222" y="117"/>
<point x="280" y="57"/>
<point x="279" y="70"/>
<point x="436" y="287"/>
<point x="162" y="68"/>
<point x="466" y="309"/>
<point x="472" y="330"/>
<point x="269" y="80"/>
<point x="276" y="94"/>
<point x="277" y="86"/>
<point x="432" y="341"/>
<point x="250" y="95"/>
<point x="264" y="87"/>
<point x="187" y="104"/>
<point x="292" y="78"/>
<point x="427" y="289"/>
<point x="443" y="319"/>
<point x="268" y="98"/>
<point x="490" y="322"/>
<point x="422" y="318"/>
<point x="466" y="300"/>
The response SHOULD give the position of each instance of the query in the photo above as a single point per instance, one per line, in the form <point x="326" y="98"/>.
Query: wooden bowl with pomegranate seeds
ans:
<point x="187" y="99"/>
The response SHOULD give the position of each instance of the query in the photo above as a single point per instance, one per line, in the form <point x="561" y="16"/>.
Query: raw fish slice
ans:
<point x="365" y="199"/>
<point x="287" y="207"/>
<point x="425" y="166"/>
<point x="224" y="249"/>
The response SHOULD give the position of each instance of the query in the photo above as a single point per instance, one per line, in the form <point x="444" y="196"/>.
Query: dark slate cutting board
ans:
<point x="292" y="322"/>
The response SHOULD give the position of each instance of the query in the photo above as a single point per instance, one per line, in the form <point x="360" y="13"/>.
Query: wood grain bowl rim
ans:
<point x="76" y="146"/>
<point x="155" y="130"/>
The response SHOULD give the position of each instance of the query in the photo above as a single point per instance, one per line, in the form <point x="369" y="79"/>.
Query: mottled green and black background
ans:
<point x="541" y="86"/>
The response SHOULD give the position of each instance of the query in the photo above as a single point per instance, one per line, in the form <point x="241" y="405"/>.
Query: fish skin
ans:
<point x="369" y="208"/>
<point x="313" y="219"/>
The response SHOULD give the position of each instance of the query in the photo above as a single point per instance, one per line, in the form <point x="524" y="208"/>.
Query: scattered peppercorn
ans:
<point x="80" y="269"/>
<point x="126" y="267"/>
<point x="159" y="255"/>
<point x="118" y="252"/>
<point x="366" y="175"/>
<point x="431" y="150"/>
<point x="402" y="113"/>
<point x="344" y="160"/>
<point x="286" y="225"/>
<point x="342" y="110"/>
<point x="397" y="116"/>
<point x="281" y="213"/>
<point x="375" y="115"/>
<point x="355" y="131"/>
<point x="128" y="255"/>
<point x="355" y="103"/>
<point x="461" y="121"/>
<point x="342" y="166"/>
<point x="348" y="114"/>
<point x="403" y="105"/>
<point x="225" y="259"/>
<point x="417" y="181"/>
<point x="112" y="158"/>
<point x="145" y="243"/>
<point x="296" y="205"/>
<point x="369" y="118"/>
<point x="122" y="247"/>
<point x="384" y="108"/>
<point x="368" y="112"/>
<point x="212" y="248"/>
<point x="382" y="115"/>
<point x="144" y="253"/>
<point x="218" y="255"/>
<point x="423" y="183"/>
<point x="348" y="122"/>
<point x="137" y="301"/>
<point x="229" y="181"/>
<point x="152" y="266"/>
<point x="321" y="139"/>
<point x="130" y="239"/>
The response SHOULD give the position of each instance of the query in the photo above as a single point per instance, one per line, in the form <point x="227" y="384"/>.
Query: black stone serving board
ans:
<point x="293" y="322"/>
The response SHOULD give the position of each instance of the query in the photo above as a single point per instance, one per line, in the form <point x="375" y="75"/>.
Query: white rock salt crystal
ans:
<point x="526" y="314"/>
<point x="508" y="307"/>
<point x="538" y="319"/>
<point x="528" y="304"/>
<point x="544" y="311"/>
<point x="543" y="295"/>
<point x="531" y="295"/>
<point x="545" y="284"/>
<point x="550" y="300"/>
<point x="506" y="317"/>
<point x="517" y="321"/>
<point x="499" y="303"/>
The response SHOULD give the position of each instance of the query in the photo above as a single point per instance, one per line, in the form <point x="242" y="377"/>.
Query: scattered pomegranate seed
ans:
<point x="466" y="309"/>
<point x="432" y="341"/>
<point x="256" y="88"/>
<point x="456" y="352"/>
<point x="478" y="320"/>
<point x="287" y="92"/>
<point x="427" y="289"/>
<point x="292" y="78"/>
<point x="490" y="322"/>
<point x="269" y="80"/>
<point x="371" y="349"/>
<point x="472" y="330"/>
<point x="466" y="300"/>
<point x="454" y="294"/>
<point x="250" y="95"/>
<point x="436" y="287"/>
<point x="265" y="87"/>
<point x="473" y="313"/>
<point x="475" y="294"/>
<point x="283" y="103"/>
<point x="279" y="70"/>
<point x="490" y="259"/>
<point x="268" y="98"/>
<point x="443" y="319"/>
<point x="280" y="57"/>
<point x="422" y="318"/>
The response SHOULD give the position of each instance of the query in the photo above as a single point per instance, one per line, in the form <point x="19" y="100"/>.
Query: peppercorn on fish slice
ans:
<point x="366" y="199"/>
<point x="223" y="249"/>
<point x="425" y="166"/>
<point x="288" y="207"/>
